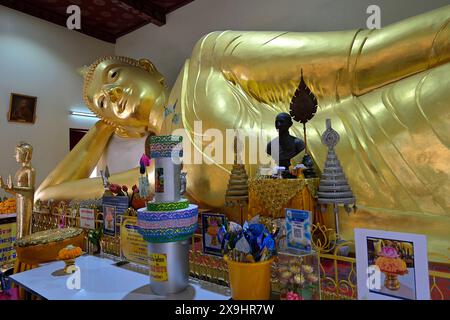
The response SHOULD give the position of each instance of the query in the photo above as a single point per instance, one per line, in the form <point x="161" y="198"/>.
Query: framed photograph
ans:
<point x="120" y="205"/>
<point x="298" y="229"/>
<point x="211" y="224"/>
<point x="22" y="108"/>
<point x="109" y="220"/>
<point x="391" y="265"/>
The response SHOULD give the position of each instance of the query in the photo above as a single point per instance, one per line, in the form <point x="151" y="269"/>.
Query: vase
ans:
<point x="69" y="265"/>
<point x="391" y="282"/>
<point x="249" y="281"/>
<point x="93" y="248"/>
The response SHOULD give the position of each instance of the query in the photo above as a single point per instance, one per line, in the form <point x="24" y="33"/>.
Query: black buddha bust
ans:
<point x="289" y="146"/>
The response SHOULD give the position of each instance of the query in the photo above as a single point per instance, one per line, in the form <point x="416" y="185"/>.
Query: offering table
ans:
<point x="103" y="279"/>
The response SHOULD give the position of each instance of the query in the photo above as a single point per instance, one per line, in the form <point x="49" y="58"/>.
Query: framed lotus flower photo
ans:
<point x="391" y="265"/>
<point x="211" y="225"/>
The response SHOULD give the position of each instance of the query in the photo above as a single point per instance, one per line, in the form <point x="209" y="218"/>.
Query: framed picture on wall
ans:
<point x="22" y="108"/>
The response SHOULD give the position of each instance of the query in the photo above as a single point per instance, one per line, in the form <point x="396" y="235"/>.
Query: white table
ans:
<point x="101" y="279"/>
<point x="8" y="215"/>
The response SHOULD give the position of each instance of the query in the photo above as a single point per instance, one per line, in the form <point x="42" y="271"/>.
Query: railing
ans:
<point x="337" y="272"/>
<point x="340" y="281"/>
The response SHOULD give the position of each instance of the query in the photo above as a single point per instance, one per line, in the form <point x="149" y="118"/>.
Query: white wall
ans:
<point x="39" y="58"/>
<point x="169" y="46"/>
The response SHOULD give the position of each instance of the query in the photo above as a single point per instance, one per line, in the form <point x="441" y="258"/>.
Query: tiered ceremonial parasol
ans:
<point x="334" y="188"/>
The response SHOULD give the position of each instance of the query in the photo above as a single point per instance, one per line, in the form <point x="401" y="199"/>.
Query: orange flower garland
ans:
<point x="69" y="252"/>
<point x="8" y="206"/>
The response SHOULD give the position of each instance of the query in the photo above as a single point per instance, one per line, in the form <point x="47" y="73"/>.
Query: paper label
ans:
<point x="298" y="229"/>
<point x="159" y="180"/>
<point x="7" y="238"/>
<point x="158" y="266"/>
<point x="87" y="218"/>
<point x="132" y="244"/>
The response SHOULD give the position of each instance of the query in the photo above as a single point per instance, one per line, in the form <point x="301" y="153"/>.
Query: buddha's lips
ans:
<point x="121" y="105"/>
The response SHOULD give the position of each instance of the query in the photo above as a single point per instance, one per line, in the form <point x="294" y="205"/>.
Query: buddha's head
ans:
<point x="129" y="94"/>
<point x="24" y="152"/>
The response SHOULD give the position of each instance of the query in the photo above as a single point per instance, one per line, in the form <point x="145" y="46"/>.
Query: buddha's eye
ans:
<point x="113" y="75"/>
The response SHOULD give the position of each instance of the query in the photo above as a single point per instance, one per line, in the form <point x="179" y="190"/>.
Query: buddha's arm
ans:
<point x="90" y="188"/>
<point x="79" y="163"/>
<point x="14" y="190"/>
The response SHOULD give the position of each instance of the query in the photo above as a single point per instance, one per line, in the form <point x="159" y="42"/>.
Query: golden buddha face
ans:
<point x="125" y="92"/>
<point x="24" y="152"/>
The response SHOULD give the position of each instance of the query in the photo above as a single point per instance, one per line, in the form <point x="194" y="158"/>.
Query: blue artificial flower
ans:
<point x="259" y="240"/>
<point x="225" y="241"/>
<point x="269" y="243"/>
<point x="257" y="229"/>
<point x="221" y="233"/>
<point x="243" y="245"/>
<point x="234" y="227"/>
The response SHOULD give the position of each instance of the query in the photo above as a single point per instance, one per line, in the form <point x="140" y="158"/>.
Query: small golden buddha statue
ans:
<point x="23" y="188"/>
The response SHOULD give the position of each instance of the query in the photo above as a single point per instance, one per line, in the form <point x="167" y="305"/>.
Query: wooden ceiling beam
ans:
<point x="33" y="10"/>
<point x="155" y="14"/>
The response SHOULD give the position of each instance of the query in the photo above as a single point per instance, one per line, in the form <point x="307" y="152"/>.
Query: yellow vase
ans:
<point x="249" y="281"/>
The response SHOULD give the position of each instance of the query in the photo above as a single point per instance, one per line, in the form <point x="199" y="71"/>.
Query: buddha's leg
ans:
<point x="394" y="149"/>
<point x="358" y="66"/>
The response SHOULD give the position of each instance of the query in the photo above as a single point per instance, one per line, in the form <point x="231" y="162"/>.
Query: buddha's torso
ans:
<point x="22" y="177"/>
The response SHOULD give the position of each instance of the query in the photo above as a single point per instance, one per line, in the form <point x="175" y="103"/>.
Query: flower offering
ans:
<point x="251" y="242"/>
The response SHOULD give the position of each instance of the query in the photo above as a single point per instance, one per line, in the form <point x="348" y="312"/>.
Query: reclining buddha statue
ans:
<point x="386" y="92"/>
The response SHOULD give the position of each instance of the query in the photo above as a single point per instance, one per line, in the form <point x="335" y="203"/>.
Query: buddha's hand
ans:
<point x="103" y="125"/>
<point x="6" y="186"/>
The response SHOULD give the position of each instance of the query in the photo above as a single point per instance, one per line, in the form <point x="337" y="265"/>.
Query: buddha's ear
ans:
<point x="82" y="71"/>
<point x="147" y="65"/>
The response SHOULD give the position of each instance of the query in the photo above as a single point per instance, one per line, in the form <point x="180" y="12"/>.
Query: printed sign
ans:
<point x="298" y="229"/>
<point x="7" y="238"/>
<point x="133" y="247"/>
<point x="158" y="267"/>
<point x="87" y="218"/>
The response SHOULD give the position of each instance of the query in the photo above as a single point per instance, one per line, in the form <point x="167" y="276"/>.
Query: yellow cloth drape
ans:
<point x="270" y="197"/>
